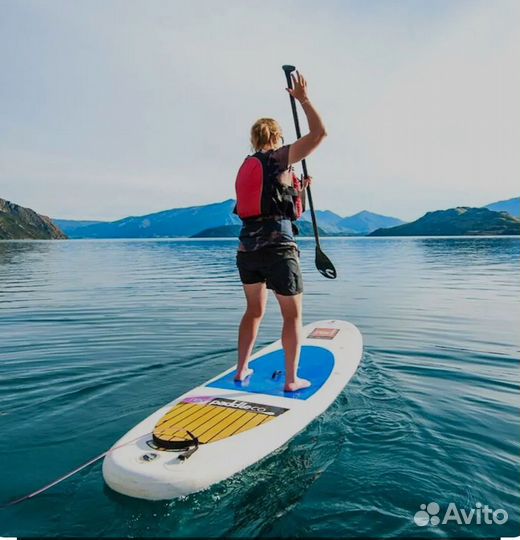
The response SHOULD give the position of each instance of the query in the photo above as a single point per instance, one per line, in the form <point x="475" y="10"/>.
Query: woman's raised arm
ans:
<point x="317" y="132"/>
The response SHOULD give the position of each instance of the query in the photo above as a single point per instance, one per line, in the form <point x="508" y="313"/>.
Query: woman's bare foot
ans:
<point x="298" y="384"/>
<point x="241" y="376"/>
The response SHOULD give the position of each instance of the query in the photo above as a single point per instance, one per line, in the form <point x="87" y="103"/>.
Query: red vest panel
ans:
<point x="249" y="186"/>
<point x="259" y="193"/>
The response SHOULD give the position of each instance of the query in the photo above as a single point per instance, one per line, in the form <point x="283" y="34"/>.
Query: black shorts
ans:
<point x="278" y="267"/>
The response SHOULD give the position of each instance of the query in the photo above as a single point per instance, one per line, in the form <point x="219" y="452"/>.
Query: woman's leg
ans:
<point x="291" y="307"/>
<point x="256" y="297"/>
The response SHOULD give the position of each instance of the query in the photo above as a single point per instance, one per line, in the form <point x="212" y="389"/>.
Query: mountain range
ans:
<point x="166" y="224"/>
<point x="363" y="222"/>
<point x="218" y="220"/>
<point x="228" y="231"/>
<point x="214" y="219"/>
<point x="73" y="224"/>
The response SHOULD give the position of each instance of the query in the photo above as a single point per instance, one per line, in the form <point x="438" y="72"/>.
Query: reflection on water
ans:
<point x="95" y="335"/>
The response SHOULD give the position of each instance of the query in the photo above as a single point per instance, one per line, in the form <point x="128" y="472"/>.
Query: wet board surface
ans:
<point x="316" y="364"/>
<point x="229" y="425"/>
<point x="212" y="419"/>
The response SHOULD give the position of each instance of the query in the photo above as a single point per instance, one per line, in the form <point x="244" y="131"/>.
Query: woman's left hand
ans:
<point x="307" y="182"/>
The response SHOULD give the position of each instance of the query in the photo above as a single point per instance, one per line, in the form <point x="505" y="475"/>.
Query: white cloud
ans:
<point x="450" y="125"/>
<point x="115" y="108"/>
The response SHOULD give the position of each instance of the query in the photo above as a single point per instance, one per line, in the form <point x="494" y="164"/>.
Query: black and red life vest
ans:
<point x="260" y="194"/>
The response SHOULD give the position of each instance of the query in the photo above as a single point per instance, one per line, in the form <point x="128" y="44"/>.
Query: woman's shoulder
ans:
<point x="280" y="157"/>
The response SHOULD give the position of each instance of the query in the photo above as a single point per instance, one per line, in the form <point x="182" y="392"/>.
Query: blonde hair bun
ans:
<point x="265" y="132"/>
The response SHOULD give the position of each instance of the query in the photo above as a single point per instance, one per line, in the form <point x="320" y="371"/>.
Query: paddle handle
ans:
<point x="288" y="70"/>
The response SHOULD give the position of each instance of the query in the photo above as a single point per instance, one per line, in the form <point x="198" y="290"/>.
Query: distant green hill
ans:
<point x="457" y="221"/>
<point x="305" y="229"/>
<point x="224" y="231"/>
<point x="19" y="223"/>
<point x="228" y="231"/>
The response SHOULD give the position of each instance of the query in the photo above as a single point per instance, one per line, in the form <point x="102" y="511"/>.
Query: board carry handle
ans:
<point x="191" y="443"/>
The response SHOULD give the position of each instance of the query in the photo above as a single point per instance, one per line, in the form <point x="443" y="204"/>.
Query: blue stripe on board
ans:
<point x="316" y="364"/>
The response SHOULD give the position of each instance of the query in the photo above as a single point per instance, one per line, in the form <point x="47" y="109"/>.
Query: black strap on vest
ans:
<point x="263" y="218"/>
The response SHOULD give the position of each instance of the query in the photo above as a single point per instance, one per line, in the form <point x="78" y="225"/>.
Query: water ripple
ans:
<point x="96" y="335"/>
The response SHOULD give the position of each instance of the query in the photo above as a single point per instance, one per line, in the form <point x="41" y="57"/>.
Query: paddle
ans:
<point x="323" y="263"/>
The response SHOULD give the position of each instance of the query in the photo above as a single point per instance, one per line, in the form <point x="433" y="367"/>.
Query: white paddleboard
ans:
<point x="221" y="427"/>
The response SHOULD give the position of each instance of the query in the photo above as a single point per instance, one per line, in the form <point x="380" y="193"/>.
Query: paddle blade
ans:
<point x="324" y="265"/>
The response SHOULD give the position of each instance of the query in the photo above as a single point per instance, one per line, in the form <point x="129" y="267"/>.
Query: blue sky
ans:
<point x="113" y="108"/>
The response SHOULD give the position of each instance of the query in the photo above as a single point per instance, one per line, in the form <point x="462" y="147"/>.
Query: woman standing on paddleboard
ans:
<point x="269" y="198"/>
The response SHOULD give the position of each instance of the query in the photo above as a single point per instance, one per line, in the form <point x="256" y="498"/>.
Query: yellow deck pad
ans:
<point x="212" y="419"/>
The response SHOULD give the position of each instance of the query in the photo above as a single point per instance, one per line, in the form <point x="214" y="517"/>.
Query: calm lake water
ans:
<point x="96" y="335"/>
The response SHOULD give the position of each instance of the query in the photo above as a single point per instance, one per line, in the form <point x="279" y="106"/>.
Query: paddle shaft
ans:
<point x="304" y="163"/>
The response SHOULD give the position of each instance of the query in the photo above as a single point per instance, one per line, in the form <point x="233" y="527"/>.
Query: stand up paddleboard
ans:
<point x="223" y="426"/>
